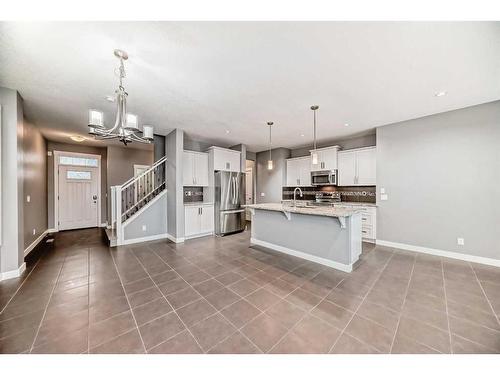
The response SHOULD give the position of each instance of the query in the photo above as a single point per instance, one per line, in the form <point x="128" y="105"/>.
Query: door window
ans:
<point x="78" y="175"/>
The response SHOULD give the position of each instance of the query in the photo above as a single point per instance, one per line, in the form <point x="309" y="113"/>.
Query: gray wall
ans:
<point x="154" y="218"/>
<point x="12" y="245"/>
<point x="175" y="206"/>
<point x="158" y="146"/>
<point x="120" y="165"/>
<point x="271" y="182"/>
<point x="442" y="177"/>
<point x="35" y="183"/>
<point x="192" y="145"/>
<point x="345" y="144"/>
<point x="57" y="146"/>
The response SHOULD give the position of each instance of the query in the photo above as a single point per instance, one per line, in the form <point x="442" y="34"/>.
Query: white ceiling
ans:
<point x="209" y="77"/>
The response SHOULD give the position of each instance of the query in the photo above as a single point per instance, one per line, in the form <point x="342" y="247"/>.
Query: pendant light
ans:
<point x="314" y="154"/>
<point x="270" y="161"/>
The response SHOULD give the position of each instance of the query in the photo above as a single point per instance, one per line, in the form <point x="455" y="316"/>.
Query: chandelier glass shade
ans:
<point x="270" y="165"/>
<point x="126" y="126"/>
<point x="314" y="153"/>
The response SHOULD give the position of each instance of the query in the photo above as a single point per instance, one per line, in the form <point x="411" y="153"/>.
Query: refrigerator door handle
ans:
<point x="232" y="211"/>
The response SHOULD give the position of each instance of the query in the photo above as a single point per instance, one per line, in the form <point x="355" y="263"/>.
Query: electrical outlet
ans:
<point x="34" y="231"/>
<point x="262" y="194"/>
<point x="460" y="241"/>
<point x="143" y="228"/>
<point x="28" y="198"/>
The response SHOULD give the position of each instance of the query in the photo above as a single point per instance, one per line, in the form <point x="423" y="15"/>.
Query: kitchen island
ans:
<point x="327" y="235"/>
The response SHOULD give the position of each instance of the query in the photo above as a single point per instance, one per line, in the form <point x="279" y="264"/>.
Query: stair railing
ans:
<point x="135" y="193"/>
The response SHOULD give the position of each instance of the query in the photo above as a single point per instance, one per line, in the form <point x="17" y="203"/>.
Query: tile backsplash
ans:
<point x="193" y="194"/>
<point x="364" y="194"/>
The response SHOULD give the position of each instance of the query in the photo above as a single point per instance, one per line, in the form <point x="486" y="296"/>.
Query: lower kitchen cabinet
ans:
<point x="198" y="220"/>
<point x="368" y="220"/>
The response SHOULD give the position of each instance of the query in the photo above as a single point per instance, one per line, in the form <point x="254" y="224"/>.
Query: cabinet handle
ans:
<point x="201" y="210"/>
<point x="298" y="181"/>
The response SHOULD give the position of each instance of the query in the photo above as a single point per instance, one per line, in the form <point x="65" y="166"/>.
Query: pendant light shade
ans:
<point x="270" y="165"/>
<point x="314" y="154"/>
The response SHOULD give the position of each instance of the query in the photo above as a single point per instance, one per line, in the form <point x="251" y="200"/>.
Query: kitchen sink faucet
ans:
<point x="294" y="192"/>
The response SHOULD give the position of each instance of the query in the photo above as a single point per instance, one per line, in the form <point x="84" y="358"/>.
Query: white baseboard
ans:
<point x="145" y="239"/>
<point x="175" y="239"/>
<point x="36" y="242"/>
<point x="13" y="274"/>
<point x="52" y="230"/>
<point x="299" y="254"/>
<point x="441" y="253"/>
<point x="103" y="225"/>
<point x="199" y="235"/>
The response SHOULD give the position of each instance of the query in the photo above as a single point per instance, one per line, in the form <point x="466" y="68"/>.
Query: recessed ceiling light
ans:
<point x="302" y="135"/>
<point x="77" y="138"/>
<point x="227" y="131"/>
<point x="440" y="93"/>
<point x="110" y="98"/>
<point x="346" y="124"/>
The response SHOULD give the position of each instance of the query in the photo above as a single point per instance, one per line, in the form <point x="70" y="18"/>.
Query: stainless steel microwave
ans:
<point x="319" y="178"/>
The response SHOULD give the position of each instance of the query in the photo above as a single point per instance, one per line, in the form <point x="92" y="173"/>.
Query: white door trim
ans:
<point x="56" y="183"/>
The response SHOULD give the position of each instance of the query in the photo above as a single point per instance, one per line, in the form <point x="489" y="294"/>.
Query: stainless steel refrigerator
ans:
<point x="229" y="198"/>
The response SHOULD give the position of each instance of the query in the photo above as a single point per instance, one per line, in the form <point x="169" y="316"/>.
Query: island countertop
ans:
<point x="338" y="212"/>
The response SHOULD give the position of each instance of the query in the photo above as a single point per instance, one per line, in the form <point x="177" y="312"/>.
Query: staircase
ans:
<point x="134" y="196"/>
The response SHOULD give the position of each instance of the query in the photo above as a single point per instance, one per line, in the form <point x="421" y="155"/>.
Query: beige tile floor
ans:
<point x="219" y="295"/>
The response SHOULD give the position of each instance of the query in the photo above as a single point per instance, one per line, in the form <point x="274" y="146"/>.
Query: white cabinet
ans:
<point x="224" y="159"/>
<point x="195" y="169"/>
<point x="198" y="220"/>
<point x="368" y="220"/>
<point x="298" y="171"/>
<point x="358" y="167"/>
<point x="327" y="159"/>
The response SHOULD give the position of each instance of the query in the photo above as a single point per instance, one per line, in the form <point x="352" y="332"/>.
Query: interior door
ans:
<point x="78" y="197"/>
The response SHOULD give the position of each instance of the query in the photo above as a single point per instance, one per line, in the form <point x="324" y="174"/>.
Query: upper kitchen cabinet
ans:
<point x="298" y="171"/>
<point x="358" y="167"/>
<point x="195" y="168"/>
<point x="327" y="159"/>
<point x="223" y="159"/>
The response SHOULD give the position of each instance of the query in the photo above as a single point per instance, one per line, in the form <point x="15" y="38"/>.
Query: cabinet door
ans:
<point x="207" y="219"/>
<point x="234" y="160"/>
<point x="188" y="169"/>
<point x="367" y="166"/>
<point x="201" y="169"/>
<point x="347" y="168"/>
<point x="305" y="172"/>
<point x="292" y="172"/>
<point x="191" y="220"/>
<point x="328" y="159"/>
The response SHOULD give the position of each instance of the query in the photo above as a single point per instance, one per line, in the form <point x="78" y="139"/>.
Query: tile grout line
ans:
<point x="128" y="302"/>
<point x="165" y="298"/>
<point x="363" y="300"/>
<point x="48" y="302"/>
<point x="485" y="295"/>
<point x="400" y="314"/>
<point x="21" y="285"/>
<point x="301" y="319"/>
<point x="446" y="304"/>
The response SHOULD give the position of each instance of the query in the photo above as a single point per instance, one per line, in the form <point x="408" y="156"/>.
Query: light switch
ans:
<point x="262" y="194"/>
<point x="28" y="198"/>
<point x="382" y="190"/>
<point x="384" y="197"/>
<point x="143" y="228"/>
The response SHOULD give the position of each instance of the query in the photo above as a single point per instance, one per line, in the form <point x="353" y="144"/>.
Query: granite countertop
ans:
<point x="315" y="210"/>
<point x="198" y="203"/>
<point x="343" y="203"/>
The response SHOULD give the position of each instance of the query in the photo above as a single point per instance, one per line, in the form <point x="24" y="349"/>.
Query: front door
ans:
<point x="78" y="197"/>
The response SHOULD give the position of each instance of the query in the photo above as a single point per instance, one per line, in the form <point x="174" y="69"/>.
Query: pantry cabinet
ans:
<point x="298" y="171"/>
<point x="357" y="167"/>
<point x="195" y="168"/>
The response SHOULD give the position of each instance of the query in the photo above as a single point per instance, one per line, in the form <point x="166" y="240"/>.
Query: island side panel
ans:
<point x="317" y="238"/>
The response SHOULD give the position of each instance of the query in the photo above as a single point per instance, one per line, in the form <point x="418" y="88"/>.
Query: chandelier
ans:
<point x="126" y="127"/>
